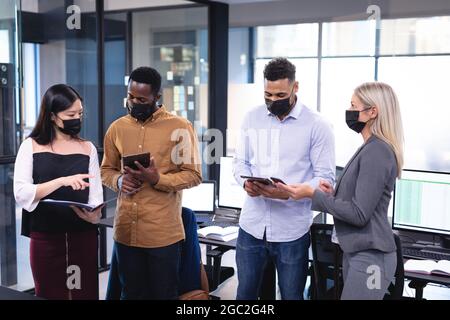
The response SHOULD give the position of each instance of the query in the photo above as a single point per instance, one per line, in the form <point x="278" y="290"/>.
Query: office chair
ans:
<point x="327" y="266"/>
<point x="396" y="289"/>
<point x="326" y="273"/>
<point x="192" y="272"/>
<point x="215" y="272"/>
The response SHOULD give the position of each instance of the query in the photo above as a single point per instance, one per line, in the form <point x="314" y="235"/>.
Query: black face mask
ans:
<point x="141" y="111"/>
<point x="351" y="117"/>
<point x="280" y="107"/>
<point x="72" y="127"/>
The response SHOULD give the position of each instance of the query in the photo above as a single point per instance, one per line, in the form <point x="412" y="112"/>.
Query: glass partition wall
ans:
<point x="11" y="251"/>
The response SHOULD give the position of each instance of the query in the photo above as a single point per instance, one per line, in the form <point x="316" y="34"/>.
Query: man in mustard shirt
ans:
<point x="148" y="229"/>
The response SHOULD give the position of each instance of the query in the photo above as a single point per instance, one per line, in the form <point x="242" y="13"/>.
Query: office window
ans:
<point x="340" y="76"/>
<point x="297" y="42"/>
<point x="70" y="56"/>
<point x="350" y="38"/>
<point x="239" y="61"/>
<point x="4" y="46"/>
<point x="115" y="67"/>
<point x="175" y="42"/>
<point x="30" y="58"/>
<point x="415" y="36"/>
<point x="421" y="84"/>
<point x="293" y="40"/>
<point x="12" y="250"/>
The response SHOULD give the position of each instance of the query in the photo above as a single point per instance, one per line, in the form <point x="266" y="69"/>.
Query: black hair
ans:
<point x="147" y="75"/>
<point x="57" y="98"/>
<point x="279" y="68"/>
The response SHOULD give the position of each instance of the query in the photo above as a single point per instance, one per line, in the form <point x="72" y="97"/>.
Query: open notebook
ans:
<point x="441" y="267"/>
<point x="86" y="206"/>
<point x="219" y="233"/>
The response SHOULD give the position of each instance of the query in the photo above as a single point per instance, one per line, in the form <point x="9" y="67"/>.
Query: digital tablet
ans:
<point x="142" y="158"/>
<point x="258" y="179"/>
<point x="81" y="205"/>
<point x="276" y="180"/>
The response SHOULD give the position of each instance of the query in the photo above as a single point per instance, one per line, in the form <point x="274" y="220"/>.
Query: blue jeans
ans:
<point x="148" y="273"/>
<point x="291" y="262"/>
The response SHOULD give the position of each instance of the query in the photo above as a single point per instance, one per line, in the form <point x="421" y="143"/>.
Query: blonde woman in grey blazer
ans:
<point x="359" y="202"/>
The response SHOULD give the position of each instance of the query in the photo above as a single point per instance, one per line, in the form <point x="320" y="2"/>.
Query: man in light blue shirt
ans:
<point x="286" y="140"/>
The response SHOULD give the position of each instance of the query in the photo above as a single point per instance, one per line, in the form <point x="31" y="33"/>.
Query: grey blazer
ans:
<point x="361" y="199"/>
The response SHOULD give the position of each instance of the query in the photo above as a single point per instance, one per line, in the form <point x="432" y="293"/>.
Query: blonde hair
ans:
<point x="388" y="124"/>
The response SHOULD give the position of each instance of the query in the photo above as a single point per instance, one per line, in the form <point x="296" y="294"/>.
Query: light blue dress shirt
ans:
<point x="298" y="149"/>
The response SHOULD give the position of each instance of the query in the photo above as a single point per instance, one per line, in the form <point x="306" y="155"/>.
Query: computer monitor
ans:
<point x="422" y="202"/>
<point x="231" y="194"/>
<point x="200" y="199"/>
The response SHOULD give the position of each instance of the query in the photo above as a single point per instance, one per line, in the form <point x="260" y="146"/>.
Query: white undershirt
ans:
<point x="25" y="189"/>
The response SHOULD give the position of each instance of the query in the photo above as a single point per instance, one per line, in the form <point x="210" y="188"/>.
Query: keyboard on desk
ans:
<point x="423" y="254"/>
<point x="222" y="224"/>
<point x="202" y="218"/>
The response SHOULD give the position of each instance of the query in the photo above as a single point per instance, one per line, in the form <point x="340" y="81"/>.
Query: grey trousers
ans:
<point x="367" y="274"/>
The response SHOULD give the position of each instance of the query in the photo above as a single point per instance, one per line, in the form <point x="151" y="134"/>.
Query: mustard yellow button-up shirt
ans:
<point x="152" y="217"/>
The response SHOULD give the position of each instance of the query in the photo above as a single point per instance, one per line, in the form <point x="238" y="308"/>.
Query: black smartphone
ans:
<point x="142" y="158"/>
<point x="276" y="180"/>
<point x="257" y="179"/>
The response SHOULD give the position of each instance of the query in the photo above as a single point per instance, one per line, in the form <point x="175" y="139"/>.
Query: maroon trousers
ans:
<point x="65" y="266"/>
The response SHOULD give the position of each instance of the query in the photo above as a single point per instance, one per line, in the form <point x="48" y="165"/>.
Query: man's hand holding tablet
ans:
<point x="265" y="181"/>
<point x="130" y="160"/>
<point x="130" y="183"/>
<point x="146" y="171"/>
<point x="257" y="186"/>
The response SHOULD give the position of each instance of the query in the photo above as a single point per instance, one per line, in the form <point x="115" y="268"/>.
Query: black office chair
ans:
<point x="396" y="289"/>
<point x="327" y="267"/>
<point x="326" y="273"/>
<point x="216" y="272"/>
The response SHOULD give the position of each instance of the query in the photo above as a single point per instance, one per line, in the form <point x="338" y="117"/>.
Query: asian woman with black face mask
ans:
<point x="359" y="202"/>
<point x="55" y="163"/>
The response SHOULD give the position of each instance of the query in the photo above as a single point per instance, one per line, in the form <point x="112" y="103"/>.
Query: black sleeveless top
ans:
<point x="49" y="218"/>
